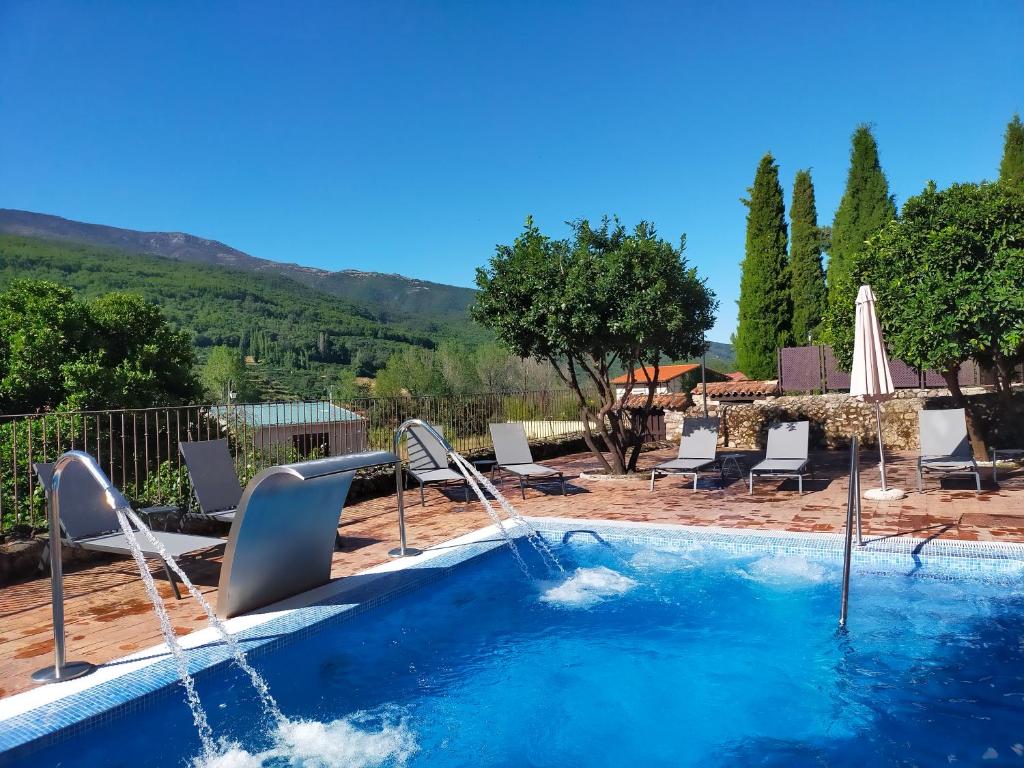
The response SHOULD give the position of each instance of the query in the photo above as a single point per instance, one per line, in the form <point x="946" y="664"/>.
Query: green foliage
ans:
<point x="303" y="336"/>
<point x="224" y="372"/>
<point x="115" y="351"/>
<point x="1011" y="168"/>
<point x="606" y="297"/>
<point x="807" y="275"/>
<point x="866" y="207"/>
<point x="347" y="387"/>
<point x="948" y="276"/>
<point x="765" y="305"/>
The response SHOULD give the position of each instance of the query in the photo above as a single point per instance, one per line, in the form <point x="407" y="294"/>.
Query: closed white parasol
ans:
<point x="870" y="377"/>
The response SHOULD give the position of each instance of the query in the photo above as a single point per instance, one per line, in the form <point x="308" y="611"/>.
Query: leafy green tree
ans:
<point x="765" y="306"/>
<point x="114" y="352"/>
<point x="457" y="362"/>
<point x="224" y="373"/>
<point x="948" y="277"/>
<point x="412" y="371"/>
<point x="347" y="387"/>
<point x="807" y="275"/>
<point x="43" y="328"/>
<point x="605" y="297"/>
<point x="866" y="207"/>
<point x="1011" y="169"/>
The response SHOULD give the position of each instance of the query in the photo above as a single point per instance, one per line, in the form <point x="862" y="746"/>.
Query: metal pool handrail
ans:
<point x="403" y="550"/>
<point x="852" y="509"/>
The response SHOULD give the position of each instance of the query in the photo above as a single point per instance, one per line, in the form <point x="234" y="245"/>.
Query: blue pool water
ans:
<point x="678" y="653"/>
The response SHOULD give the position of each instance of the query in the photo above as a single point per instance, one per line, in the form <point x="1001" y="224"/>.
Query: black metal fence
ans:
<point x="815" y="369"/>
<point x="138" y="448"/>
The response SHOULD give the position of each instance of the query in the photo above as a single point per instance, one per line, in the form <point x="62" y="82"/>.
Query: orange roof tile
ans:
<point x="740" y="388"/>
<point x="665" y="374"/>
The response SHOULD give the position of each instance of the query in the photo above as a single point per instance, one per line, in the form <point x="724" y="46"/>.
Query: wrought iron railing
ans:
<point x="138" y="448"/>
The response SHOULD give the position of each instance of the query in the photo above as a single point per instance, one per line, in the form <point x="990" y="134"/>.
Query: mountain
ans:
<point x="392" y="295"/>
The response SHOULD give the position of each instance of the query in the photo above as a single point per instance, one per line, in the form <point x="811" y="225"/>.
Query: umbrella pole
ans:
<point x="881" y="448"/>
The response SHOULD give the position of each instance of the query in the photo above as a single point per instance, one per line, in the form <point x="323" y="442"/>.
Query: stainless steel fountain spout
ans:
<point x="403" y="550"/>
<point x="63" y="669"/>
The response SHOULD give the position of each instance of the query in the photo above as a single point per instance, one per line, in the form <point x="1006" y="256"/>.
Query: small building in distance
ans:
<point x="672" y="379"/>
<point x="317" y="428"/>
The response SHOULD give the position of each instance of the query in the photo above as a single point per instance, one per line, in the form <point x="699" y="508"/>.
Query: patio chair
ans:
<point x="88" y="522"/>
<point x="428" y="461"/>
<point x="786" y="454"/>
<point x="512" y="455"/>
<point x="214" y="480"/>
<point x="945" y="447"/>
<point x="698" y="447"/>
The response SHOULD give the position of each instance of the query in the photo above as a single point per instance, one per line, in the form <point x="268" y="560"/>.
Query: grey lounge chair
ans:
<point x="512" y="455"/>
<point x="697" y="450"/>
<point x="945" y="448"/>
<point x="428" y="461"/>
<point x="87" y="521"/>
<point x="786" y="454"/>
<point x="213" y="476"/>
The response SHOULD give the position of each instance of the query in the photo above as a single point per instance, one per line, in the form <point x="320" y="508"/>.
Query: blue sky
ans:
<point x="413" y="137"/>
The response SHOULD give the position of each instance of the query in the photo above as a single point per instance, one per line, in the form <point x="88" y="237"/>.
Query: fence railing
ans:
<point x="815" y="369"/>
<point x="138" y="448"/>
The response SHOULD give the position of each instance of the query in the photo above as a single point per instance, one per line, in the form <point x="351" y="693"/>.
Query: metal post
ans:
<point x="852" y="501"/>
<point x="403" y="550"/>
<point x="62" y="669"/>
<point x="881" y="448"/>
<point x="704" y="381"/>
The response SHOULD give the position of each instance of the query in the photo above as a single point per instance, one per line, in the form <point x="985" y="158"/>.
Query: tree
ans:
<point x="348" y="388"/>
<point x="225" y="373"/>
<point x="765" y="308"/>
<point x="413" y="371"/>
<point x="1011" y="169"/>
<point x="948" y="277"/>
<point x="806" y="273"/>
<point x="866" y="207"/>
<point x="603" y="298"/>
<point x="117" y="351"/>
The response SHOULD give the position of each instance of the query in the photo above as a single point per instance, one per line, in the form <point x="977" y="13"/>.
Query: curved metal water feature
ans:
<point x="282" y="538"/>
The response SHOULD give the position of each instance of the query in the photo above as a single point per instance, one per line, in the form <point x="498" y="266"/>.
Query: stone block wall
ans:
<point x="835" y="417"/>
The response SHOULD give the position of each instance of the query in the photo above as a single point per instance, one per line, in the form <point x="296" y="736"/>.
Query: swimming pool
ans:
<point x="674" y="647"/>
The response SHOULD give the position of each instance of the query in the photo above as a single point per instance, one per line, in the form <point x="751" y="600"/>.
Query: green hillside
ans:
<point x="301" y="337"/>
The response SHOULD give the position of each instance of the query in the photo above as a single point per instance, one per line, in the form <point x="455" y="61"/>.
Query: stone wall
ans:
<point x="835" y="417"/>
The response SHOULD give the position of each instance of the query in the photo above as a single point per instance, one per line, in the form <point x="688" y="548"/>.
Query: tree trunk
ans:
<point x="974" y="430"/>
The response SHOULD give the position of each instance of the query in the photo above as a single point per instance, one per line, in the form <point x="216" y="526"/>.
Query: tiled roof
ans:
<point x="279" y="414"/>
<point x="740" y="388"/>
<point x="736" y="376"/>
<point x="665" y="373"/>
<point x="669" y="400"/>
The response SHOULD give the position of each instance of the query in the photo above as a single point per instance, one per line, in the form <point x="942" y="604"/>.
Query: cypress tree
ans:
<point x="865" y="208"/>
<point x="764" y="306"/>
<point x="1011" y="169"/>
<point x="806" y="273"/>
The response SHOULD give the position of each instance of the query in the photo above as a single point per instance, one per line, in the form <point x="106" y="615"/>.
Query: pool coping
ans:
<point x="39" y="717"/>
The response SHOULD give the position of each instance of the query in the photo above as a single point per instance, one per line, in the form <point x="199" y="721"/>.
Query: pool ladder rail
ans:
<point x="852" y="510"/>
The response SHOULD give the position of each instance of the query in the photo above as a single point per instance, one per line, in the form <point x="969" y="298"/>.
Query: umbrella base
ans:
<point x="889" y="494"/>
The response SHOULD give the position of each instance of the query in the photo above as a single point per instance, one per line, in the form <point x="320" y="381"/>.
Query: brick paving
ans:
<point x="108" y="615"/>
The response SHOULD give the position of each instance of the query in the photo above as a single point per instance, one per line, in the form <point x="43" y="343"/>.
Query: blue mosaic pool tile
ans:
<point x="145" y="688"/>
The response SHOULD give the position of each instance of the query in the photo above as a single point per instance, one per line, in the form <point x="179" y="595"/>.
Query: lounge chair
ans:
<point x="786" y="455"/>
<point x="512" y="455"/>
<point x="945" y="447"/>
<point x="213" y="477"/>
<point x="87" y="521"/>
<point x="428" y="461"/>
<point x="697" y="450"/>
